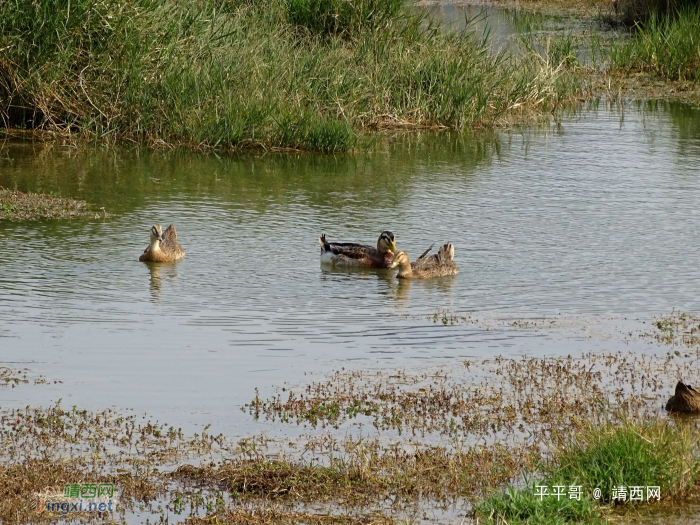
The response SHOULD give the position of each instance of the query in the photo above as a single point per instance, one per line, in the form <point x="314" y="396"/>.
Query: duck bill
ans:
<point x="392" y="247"/>
<point x="393" y="265"/>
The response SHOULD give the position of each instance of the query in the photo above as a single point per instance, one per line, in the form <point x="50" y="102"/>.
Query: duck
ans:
<point x="164" y="246"/>
<point x="437" y="265"/>
<point x="351" y="254"/>
<point x="686" y="400"/>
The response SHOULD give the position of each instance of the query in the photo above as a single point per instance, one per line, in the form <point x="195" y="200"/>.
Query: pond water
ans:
<point x="594" y="214"/>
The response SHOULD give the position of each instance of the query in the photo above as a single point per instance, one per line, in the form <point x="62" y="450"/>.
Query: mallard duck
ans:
<point x="350" y="254"/>
<point x="437" y="265"/>
<point x="164" y="246"/>
<point x="686" y="400"/>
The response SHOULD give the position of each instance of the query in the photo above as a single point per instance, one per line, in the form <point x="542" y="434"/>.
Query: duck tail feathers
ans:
<point x="426" y="251"/>
<point x="325" y="245"/>
<point x="447" y="251"/>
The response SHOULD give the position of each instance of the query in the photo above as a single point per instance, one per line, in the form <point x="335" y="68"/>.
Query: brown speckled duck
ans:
<point x="438" y="265"/>
<point x="686" y="400"/>
<point x="164" y="246"/>
<point x="350" y="254"/>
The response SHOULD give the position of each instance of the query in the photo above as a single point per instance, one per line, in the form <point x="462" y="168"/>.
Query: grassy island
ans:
<point x="242" y="73"/>
<point x="16" y="205"/>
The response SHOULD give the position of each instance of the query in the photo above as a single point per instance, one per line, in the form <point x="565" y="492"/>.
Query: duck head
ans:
<point x="386" y="242"/>
<point x="401" y="260"/>
<point x="156" y="234"/>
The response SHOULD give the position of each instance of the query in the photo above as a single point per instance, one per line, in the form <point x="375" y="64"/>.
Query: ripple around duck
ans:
<point x="591" y="217"/>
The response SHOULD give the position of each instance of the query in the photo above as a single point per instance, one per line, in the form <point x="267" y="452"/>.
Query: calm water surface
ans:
<point x="597" y="214"/>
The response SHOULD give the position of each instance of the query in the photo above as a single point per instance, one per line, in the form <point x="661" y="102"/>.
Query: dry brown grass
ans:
<point x="264" y="516"/>
<point x="366" y="471"/>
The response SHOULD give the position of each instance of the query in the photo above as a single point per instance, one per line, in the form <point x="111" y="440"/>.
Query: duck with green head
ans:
<point x="351" y="254"/>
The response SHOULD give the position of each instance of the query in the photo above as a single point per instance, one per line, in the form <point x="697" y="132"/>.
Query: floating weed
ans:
<point x="10" y="378"/>
<point x="43" y="449"/>
<point x="16" y="206"/>
<point x="677" y="329"/>
<point x="358" y="471"/>
<point x="498" y="398"/>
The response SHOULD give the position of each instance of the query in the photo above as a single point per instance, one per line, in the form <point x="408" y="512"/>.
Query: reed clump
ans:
<point x="269" y="74"/>
<point x="664" y="45"/>
<point x="519" y="506"/>
<point x="634" y="12"/>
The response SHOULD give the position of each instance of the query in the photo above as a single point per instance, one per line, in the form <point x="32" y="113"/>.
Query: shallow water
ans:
<point x="595" y="214"/>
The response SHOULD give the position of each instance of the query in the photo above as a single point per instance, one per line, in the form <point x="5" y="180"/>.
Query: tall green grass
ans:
<point x="518" y="506"/>
<point x="604" y="455"/>
<point x="241" y="73"/>
<point x="634" y="453"/>
<point x="667" y="46"/>
<point x="635" y="12"/>
<point x="343" y="17"/>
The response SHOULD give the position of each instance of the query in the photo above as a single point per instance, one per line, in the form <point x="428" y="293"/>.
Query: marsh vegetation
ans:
<point x="18" y="206"/>
<point x="289" y="74"/>
<point x="483" y="435"/>
<point x="272" y="74"/>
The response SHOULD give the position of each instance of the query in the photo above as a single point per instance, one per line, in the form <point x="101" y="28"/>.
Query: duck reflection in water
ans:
<point x="160" y="272"/>
<point x="400" y="290"/>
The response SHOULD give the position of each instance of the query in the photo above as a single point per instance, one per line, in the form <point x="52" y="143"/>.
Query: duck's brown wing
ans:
<point x="425" y="260"/>
<point x="145" y="255"/>
<point x="437" y="264"/>
<point x="169" y="244"/>
<point x="170" y="235"/>
<point x="354" y="251"/>
<point x="425" y="252"/>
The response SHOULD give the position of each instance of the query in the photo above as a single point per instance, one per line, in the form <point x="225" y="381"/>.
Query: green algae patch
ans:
<point x="18" y="206"/>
